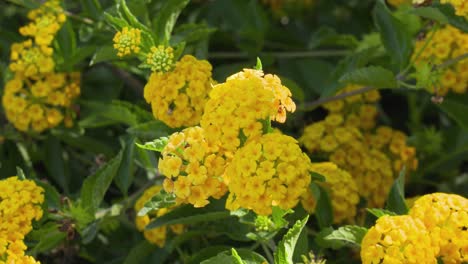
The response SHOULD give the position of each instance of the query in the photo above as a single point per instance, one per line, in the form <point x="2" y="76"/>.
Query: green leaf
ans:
<point x="191" y="33"/>
<point x="395" y="37"/>
<point x="457" y="109"/>
<point x="92" y="8"/>
<point x="233" y="256"/>
<point x="259" y="64"/>
<point x="373" y="76"/>
<point x="396" y="198"/>
<point x="151" y="129"/>
<point x="55" y="163"/>
<point x="30" y="4"/>
<point x="95" y="186"/>
<point x="131" y="18"/>
<point x="188" y="214"/>
<point x="285" y="250"/>
<point x="49" y="237"/>
<point x="377" y="212"/>
<point x="323" y="243"/>
<point x="20" y="173"/>
<point x="158" y="201"/>
<point x="236" y="257"/>
<point x="155" y="145"/>
<point x="113" y="111"/>
<point x="105" y="53"/>
<point x="66" y="48"/>
<point x="317" y="177"/>
<point x="430" y="13"/>
<point x="117" y="22"/>
<point x="166" y="19"/>
<point x="140" y="252"/>
<point x="323" y="209"/>
<point x="454" y="20"/>
<point x="350" y="234"/>
<point x="207" y="253"/>
<point x="327" y="36"/>
<point x="52" y="196"/>
<point x="125" y="174"/>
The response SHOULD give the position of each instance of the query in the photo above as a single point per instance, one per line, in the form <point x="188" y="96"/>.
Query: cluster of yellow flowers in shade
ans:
<point x="178" y="97"/>
<point x="349" y="137"/>
<point x="127" y="41"/>
<point x="446" y="218"/>
<point x="342" y="188"/>
<point x="38" y="98"/>
<point x="397" y="239"/>
<point x="20" y="204"/>
<point x="193" y="168"/>
<point x="156" y="236"/>
<point x="446" y="43"/>
<point x="437" y="226"/>
<point x="268" y="171"/>
<point x="241" y="108"/>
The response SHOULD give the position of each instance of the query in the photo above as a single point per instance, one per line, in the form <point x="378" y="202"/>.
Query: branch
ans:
<point x="321" y="101"/>
<point x="450" y="62"/>
<point x="283" y="55"/>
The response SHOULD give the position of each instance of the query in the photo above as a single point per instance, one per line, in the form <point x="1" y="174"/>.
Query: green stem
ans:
<point x="312" y="105"/>
<point x="269" y="256"/>
<point x="450" y="62"/>
<point x="418" y="54"/>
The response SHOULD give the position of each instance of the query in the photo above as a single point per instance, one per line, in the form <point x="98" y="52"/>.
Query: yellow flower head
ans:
<point x="160" y="59"/>
<point x="193" y="167"/>
<point x="268" y="171"/>
<point x="43" y="103"/>
<point x="342" y="189"/>
<point x="156" y="236"/>
<point x="397" y="239"/>
<point x="178" y="97"/>
<point x="20" y="205"/>
<point x="282" y="102"/>
<point x="30" y="61"/>
<point x="46" y="22"/>
<point x="446" y="43"/>
<point x="446" y="218"/>
<point x="127" y="41"/>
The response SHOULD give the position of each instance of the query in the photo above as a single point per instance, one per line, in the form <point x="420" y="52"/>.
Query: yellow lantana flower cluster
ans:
<point x="178" y="97"/>
<point x="193" y="168"/>
<point x="240" y="108"/>
<point x="349" y="137"/>
<point x="398" y="239"/>
<point x="446" y="43"/>
<point x="127" y="41"/>
<point x="20" y="204"/>
<point x="160" y="59"/>
<point x="43" y="103"/>
<point x="342" y="188"/>
<point x="268" y="171"/>
<point x="156" y="236"/>
<point x="446" y="218"/>
<point x="38" y="98"/>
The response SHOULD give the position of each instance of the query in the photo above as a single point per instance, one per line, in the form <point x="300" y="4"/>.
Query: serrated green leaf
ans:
<point x="396" y="198"/>
<point x="350" y="234"/>
<point x="454" y="20"/>
<point x="430" y="13"/>
<point x="155" y="145"/>
<point x="158" y="201"/>
<point x="166" y="19"/>
<point x="278" y="215"/>
<point x="395" y="37"/>
<point x="373" y="76"/>
<point x="285" y="250"/>
<point x="323" y="243"/>
<point x="236" y="257"/>
<point x="377" y="212"/>
<point x="95" y="186"/>
<point x="228" y="257"/>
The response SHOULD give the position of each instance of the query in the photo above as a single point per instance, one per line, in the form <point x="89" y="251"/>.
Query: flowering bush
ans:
<point x="272" y="131"/>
